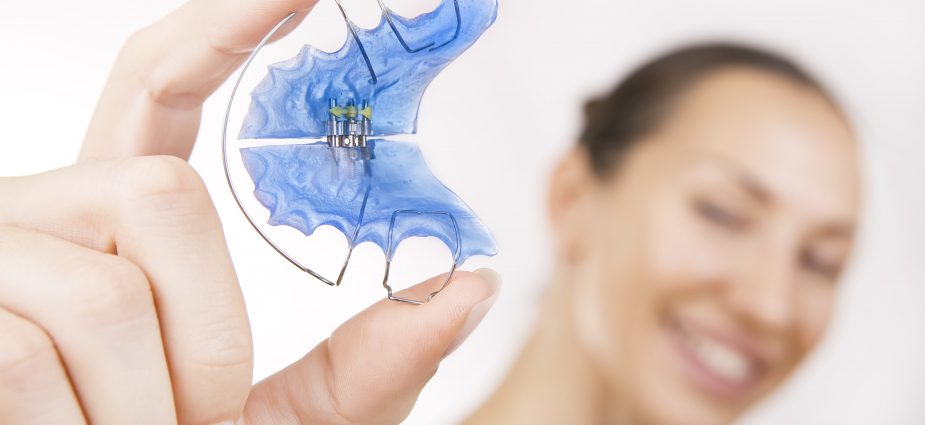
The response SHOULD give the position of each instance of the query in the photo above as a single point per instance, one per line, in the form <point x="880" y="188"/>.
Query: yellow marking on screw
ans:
<point x="352" y="112"/>
<point x="338" y="112"/>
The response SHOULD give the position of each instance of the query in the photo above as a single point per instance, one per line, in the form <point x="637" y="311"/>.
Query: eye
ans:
<point x="817" y="264"/>
<point x="721" y="216"/>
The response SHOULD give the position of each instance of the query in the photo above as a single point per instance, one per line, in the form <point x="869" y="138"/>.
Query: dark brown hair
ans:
<point x="639" y="104"/>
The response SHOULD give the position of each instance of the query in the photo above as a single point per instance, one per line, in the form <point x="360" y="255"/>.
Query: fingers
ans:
<point x="373" y="368"/>
<point x="152" y="102"/>
<point x="34" y="388"/>
<point x="156" y="213"/>
<point x="99" y="312"/>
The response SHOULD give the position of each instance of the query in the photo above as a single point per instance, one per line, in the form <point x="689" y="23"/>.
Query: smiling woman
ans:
<point x="702" y="224"/>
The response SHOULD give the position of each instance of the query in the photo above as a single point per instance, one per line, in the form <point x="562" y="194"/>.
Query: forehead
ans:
<point x="788" y="137"/>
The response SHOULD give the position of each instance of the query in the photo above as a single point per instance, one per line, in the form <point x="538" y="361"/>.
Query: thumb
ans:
<point x="372" y="369"/>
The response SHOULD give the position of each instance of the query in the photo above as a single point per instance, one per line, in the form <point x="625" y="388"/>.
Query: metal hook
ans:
<point x="389" y="254"/>
<point x="458" y="26"/>
<point x="387" y="14"/>
<point x="356" y="234"/>
<point x="356" y="37"/>
<point x="390" y="20"/>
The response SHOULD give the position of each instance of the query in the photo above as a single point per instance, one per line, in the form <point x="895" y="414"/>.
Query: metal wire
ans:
<point x="390" y="20"/>
<point x="458" y="26"/>
<point x="387" y="14"/>
<point x="356" y="38"/>
<point x="234" y="192"/>
<point x="389" y="254"/>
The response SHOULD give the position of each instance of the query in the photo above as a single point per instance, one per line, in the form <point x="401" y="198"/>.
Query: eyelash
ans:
<point x="814" y="265"/>
<point x="720" y="216"/>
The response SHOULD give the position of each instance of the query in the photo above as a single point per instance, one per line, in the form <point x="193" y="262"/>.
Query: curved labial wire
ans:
<point x="391" y="253"/>
<point x="234" y="193"/>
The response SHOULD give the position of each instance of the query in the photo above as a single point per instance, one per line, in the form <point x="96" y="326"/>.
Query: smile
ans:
<point x="716" y="363"/>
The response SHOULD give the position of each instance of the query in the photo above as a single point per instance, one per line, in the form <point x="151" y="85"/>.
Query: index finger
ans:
<point x="155" y="213"/>
<point x="152" y="103"/>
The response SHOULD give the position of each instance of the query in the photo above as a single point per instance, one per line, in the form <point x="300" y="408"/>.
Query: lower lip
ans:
<point x="701" y="375"/>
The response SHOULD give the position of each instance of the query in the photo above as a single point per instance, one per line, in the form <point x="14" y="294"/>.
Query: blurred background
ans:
<point x="491" y="127"/>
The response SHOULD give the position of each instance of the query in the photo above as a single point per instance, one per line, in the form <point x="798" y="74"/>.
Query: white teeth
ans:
<point x="722" y="360"/>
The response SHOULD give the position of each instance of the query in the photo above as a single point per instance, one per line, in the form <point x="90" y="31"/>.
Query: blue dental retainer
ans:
<point x="370" y="189"/>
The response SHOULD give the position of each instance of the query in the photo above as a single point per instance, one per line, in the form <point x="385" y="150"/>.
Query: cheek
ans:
<point x="612" y="297"/>
<point x="637" y="263"/>
<point x="815" y="305"/>
<point x="684" y="254"/>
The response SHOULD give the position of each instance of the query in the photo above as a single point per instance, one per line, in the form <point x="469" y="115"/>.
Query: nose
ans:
<point x="763" y="292"/>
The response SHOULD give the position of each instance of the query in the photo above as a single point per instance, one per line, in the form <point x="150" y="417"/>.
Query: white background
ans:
<point x="491" y="127"/>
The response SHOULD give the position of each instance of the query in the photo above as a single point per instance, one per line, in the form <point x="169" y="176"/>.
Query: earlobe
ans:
<point x="570" y="187"/>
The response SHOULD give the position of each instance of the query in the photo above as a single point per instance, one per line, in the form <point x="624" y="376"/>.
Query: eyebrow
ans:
<point x="837" y="230"/>
<point x="761" y="194"/>
<point x="747" y="181"/>
<point x="754" y="188"/>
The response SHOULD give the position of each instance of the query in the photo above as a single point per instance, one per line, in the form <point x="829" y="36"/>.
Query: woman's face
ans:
<point x="705" y="269"/>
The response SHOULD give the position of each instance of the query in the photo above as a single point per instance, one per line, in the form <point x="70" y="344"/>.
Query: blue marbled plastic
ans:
<point x="292" y="101"/>
<point x="309" y="186"/>
<point x="306" y="186"/>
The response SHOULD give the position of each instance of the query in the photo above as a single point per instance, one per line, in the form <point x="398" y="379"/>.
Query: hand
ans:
<point x="118" y="300"/>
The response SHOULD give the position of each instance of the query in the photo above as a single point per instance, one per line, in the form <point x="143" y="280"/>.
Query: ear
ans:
<point x="570" y="201"/>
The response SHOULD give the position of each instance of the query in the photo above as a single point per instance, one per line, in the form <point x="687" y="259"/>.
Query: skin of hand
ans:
<point x="119" y="303"/>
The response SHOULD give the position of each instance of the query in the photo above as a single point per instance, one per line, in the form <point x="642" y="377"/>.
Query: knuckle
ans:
<point x="225" y="345"/>
<point x="160" y="176"/>
<point x="140" y="40"/>
<point x="143" y="57"/>
<point x="10" y="239"/>
<point x="111" y="292"/>
<point x="166" y="192"/>
<point x="26" y="348"/>
<point x="21" y="341"/>
<point x="137" y="41"/>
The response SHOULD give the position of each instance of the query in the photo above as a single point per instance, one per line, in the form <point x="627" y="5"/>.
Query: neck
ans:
<point x="553" y="381"/>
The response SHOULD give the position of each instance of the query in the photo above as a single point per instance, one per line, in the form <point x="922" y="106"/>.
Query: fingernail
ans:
<point x="479" y="311"/>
